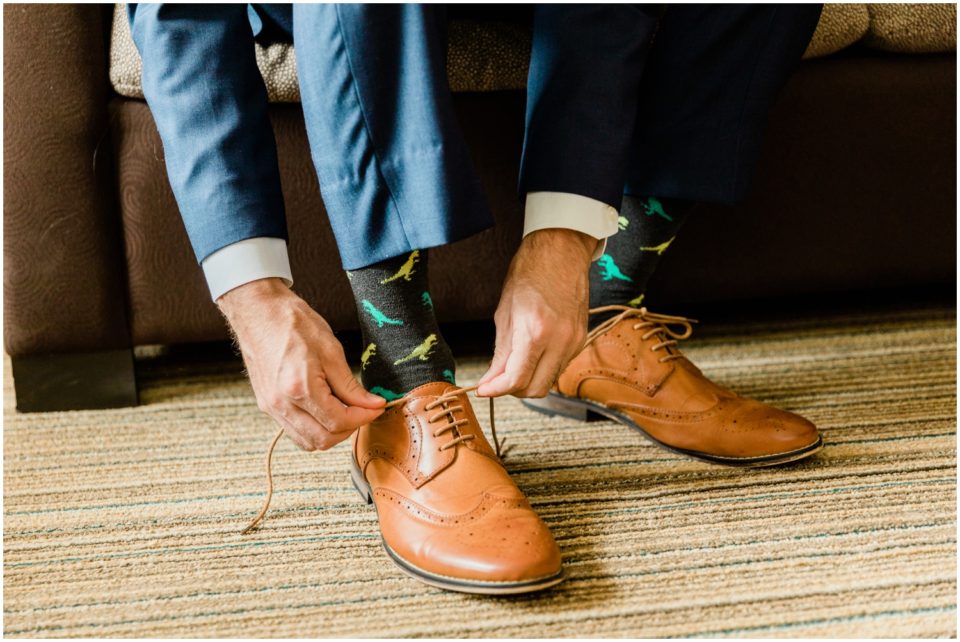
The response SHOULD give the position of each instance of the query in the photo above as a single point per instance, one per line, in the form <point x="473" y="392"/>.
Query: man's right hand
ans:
<point x="296" y="366"/>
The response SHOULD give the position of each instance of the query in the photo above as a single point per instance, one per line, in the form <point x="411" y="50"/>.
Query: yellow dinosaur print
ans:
<point x="636" y="302"/>
<point x="622" y="222"/>
<point x="421" y="352"/>
<point x="406" y="270"/>
<point x="659" y="249"/>
<point x="367" y="354"/>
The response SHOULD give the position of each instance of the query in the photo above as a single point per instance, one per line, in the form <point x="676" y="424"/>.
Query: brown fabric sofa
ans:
<point x="855" y="191"/>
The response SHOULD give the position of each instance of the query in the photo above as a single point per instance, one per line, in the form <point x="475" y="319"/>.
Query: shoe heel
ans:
<point x="554" y="405"/>
<point x="359" y="483"/>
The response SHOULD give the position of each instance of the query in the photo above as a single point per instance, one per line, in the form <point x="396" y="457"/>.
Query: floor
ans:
<point x="126" y="522"/>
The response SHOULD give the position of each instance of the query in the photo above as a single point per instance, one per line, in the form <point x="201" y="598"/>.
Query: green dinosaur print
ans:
<point x="421" y="352"/>
<point x="406" y="270"/>
<point x="427" y="301"/>
<point x="389" y="395"/>
<point x="659" y="249"/>
<point x="609" y="269"/>
<point x="379" y="317"/>
<point x="623" y="222"/>
<point x="367" y="354"/>
<point x="448" y="375"/>
<point x="636" y="302"/>
<point x="653" y="206"/>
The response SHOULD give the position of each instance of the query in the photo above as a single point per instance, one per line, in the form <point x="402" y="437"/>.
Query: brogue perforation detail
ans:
<point x="486" y="504"/>
<point x="666" y="415"/>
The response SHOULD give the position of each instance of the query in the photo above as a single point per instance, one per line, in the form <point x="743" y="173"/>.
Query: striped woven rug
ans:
<point x="126" y="522"/>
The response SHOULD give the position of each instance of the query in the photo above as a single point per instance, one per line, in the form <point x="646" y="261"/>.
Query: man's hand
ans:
<point x="296" y="366"/>
<point x="542" y="316"/>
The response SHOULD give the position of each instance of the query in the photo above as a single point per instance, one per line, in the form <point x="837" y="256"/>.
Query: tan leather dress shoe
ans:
<point x="631" y="371"/>
<point x="449" y="513"/>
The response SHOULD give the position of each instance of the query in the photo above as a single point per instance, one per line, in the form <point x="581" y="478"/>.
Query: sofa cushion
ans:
<point x="493" y="56"/>
<point x="913" y="28"/>
<point x="840" y="26"/>
<point x="481" y="56"/>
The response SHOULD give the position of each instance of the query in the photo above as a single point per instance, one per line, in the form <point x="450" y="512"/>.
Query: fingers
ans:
<point x="548" y="369"/>
<point x="308" y="433"/>
<point x="528" y="363"/>
<point x="298" y="426"/>
<point x="347" y="389"/>
<point x="520" y="365"/>
<point x="501" y="351"/>
<point x="331" y="413"/>
<point x="313" y="417"/>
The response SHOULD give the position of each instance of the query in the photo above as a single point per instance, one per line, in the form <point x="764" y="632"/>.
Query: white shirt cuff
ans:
<point x="545" y="210"/>
<point x="245" y="261"/>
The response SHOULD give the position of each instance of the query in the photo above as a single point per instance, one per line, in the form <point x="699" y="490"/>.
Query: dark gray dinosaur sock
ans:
<point x="403" y="347"/>
<point x="648" y="226"/>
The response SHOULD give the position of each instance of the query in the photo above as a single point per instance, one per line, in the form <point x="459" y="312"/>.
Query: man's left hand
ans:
<point x="542" y="316"/>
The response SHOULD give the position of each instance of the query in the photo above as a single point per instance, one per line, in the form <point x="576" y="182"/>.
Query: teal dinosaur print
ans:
<point x="448" y="375"/>
<point x="654" y="207"/>
<point x="609" y="269"/>
<point x="623" y="222"/>
<point x="379" y="317"/>
<point x="389" y="395"/>
<point x="421" y="352"/>
<point x="427" y="301"/>
<point x="406" y="270"/>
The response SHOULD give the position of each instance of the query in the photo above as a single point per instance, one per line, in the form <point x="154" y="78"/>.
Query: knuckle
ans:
<point x="294" y="389"/>
<point x="305" y="443"/>
<point x="538" y="331"/>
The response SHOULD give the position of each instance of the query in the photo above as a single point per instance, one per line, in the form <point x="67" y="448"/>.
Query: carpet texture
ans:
<point x="126" y="522"/>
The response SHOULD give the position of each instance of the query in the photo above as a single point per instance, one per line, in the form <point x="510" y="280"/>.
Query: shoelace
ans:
<point x="658" y="324"/>
<point x="452" y="424"/>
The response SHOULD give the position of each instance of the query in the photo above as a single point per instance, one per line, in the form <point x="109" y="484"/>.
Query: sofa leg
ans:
<point x="75" y="381"/>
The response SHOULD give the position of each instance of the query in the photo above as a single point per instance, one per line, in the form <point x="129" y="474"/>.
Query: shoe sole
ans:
<point x="556" y="404"/>
<point x="444" y="582"/>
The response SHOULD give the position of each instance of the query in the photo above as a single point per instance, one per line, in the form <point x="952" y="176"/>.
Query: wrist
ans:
<point x="252" y="294"/>
<point x="563" y="240"/>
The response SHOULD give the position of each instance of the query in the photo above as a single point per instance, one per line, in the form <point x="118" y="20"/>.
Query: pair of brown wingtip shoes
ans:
<point x="451" y="516"/>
